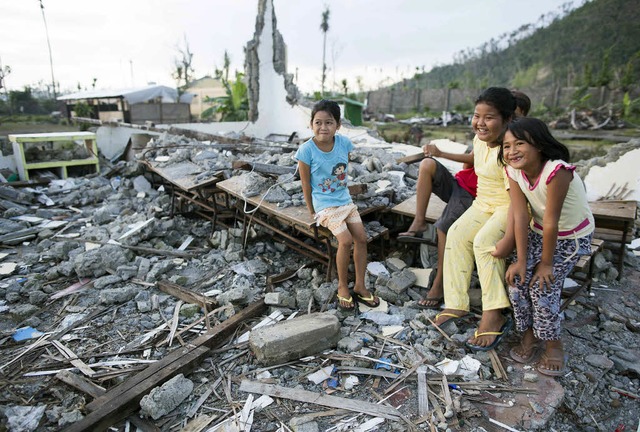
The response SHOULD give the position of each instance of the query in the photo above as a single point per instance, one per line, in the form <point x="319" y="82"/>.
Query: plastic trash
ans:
<point x="25" y="333"/>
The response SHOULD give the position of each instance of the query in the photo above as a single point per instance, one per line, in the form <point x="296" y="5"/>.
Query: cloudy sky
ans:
<point x="125" y="43"/>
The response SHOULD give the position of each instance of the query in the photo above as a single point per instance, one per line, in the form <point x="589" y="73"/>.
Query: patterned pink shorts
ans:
<point x="337" y="218"/>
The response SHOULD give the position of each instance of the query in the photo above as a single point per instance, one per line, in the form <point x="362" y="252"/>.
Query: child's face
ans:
<point x="324" y="126"/>
<point x="519" y="153"/>
<point x="487" y="123"/>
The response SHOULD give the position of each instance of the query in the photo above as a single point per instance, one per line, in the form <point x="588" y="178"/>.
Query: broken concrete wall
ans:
<point x="272" y="94"/>
<point x="278" y="59"/>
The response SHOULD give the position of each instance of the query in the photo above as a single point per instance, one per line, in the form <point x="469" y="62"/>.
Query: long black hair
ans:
<point x="536" y="133"/>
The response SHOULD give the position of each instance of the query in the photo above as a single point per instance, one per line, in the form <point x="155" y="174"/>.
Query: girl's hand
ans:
<point x="516" y="269"/>
<point x="544" y="275"/>
<point x="431" y="150"/>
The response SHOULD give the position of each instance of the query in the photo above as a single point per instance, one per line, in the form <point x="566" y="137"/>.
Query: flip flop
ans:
<point x="411" y="233"/>
<point x="452" y="316"/>
<point x="533" y="354"/>
<point x="498" y="334"/>
<point x="411" y="237"/>
<point x="438" y="300"/>
<point x="371" y="301"/>
<point x="348" y="300"/>
<point x="553" y="373"/>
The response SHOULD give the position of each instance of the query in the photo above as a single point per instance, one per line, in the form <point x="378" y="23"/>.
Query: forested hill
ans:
<point x="595" y="44"/>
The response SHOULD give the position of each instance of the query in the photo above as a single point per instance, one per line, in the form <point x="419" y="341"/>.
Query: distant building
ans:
<point x="156" y="103"/>
<point x="204" y="88"/>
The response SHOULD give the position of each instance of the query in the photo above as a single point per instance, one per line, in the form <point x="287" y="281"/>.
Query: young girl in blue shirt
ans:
<point x="322" y="163"/>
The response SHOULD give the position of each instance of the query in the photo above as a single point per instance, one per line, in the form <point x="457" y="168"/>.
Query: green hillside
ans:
<point x="594" y="45"/>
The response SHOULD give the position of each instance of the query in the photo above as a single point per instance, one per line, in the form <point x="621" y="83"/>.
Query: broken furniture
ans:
<point x="267" y="214"/>
<point x="583" y="273"/>
<point x="186" y="185"/>
<point x="614" y="223"/>
<point x="57" y="152"/>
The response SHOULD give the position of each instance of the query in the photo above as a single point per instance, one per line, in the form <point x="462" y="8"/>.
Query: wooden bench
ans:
<point x="188" y="190"/>
<point x="297" y="218"/>
<point x="583" y="272"/>
<point x="614" y="224"/>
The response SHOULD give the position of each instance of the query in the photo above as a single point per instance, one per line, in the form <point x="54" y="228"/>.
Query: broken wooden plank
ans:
<point x="411" y="158"/>
<point x="80" y="383"/>
<point x="449" y="409"/>
<point x="320" y="399"/>
<point x="185" y="294"/>
<point x="498" y="369"/>
<point x="123" y="400"/>
<point x="423" y="391"/>
<point x="73" y="358"/>
<point x="198" y="424"/>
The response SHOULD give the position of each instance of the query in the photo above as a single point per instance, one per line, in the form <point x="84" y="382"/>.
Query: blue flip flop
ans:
<point x="499" y="334"/>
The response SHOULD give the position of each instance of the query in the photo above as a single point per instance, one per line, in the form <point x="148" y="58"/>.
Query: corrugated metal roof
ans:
<point x="133" y="95"/>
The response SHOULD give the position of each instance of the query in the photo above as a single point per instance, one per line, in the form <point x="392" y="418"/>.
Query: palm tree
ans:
<point x="46" y="29"/>
<point x="324" y="26"/>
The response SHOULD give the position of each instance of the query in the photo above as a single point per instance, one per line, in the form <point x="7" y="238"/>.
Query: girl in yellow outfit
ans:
<point x="472" y="238"/>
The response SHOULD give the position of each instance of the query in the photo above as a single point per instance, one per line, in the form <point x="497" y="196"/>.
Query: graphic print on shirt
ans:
<point x="325" y="186"/>
<point x="340" y="171"/>
<point x="340" y="179"/>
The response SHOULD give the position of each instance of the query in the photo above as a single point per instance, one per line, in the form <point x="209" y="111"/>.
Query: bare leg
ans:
<point x="434" y="297"/>
<point x="345" y="240"/>
<point x="359" y="257"/>
<point x="424" y="186"/>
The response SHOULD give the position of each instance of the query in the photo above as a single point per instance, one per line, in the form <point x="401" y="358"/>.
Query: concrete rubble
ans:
<point x="88" y="285"/>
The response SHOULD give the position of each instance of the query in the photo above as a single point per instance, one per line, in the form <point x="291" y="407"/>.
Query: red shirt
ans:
<point x="468" y="180"/>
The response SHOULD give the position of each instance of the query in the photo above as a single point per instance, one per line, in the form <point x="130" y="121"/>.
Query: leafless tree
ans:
<point x="183" y="71"/>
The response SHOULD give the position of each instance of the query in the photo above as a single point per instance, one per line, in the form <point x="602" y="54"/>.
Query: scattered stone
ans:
<point x="599" y="361"/>
<point x="164" y="399"/>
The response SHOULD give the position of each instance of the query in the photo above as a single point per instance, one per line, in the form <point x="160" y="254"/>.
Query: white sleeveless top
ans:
<point x="576" y="219"/>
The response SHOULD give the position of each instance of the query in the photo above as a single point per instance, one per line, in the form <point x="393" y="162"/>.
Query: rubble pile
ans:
<point x="592" y="119"/>
<point x="99" y="284"/>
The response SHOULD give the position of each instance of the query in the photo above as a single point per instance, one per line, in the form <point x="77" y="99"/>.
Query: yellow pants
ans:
<point x="475" y="234"/>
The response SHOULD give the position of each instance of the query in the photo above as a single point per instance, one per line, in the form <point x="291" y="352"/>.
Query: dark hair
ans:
<point x="329" y="106"/>
<point x="536" y="133"/>
<point x="501" y="99"/>
<point x="522" y="101"/>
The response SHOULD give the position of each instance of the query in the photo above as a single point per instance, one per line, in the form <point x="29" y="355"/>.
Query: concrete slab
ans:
<point x="296" y="338"/>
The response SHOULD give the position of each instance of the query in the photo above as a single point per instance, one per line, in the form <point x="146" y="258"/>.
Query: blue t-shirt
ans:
<point x="328" y="172"/>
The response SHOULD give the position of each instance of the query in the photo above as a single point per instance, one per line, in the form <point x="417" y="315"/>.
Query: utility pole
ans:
<point x="46" y="29"/>
<point x="324" y="26"/>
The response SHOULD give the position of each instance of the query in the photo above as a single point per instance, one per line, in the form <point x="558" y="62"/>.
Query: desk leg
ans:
<point x="623" y="246"/>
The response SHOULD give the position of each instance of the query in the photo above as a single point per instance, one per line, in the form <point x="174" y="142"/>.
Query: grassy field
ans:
<point x="24" y="127"/>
